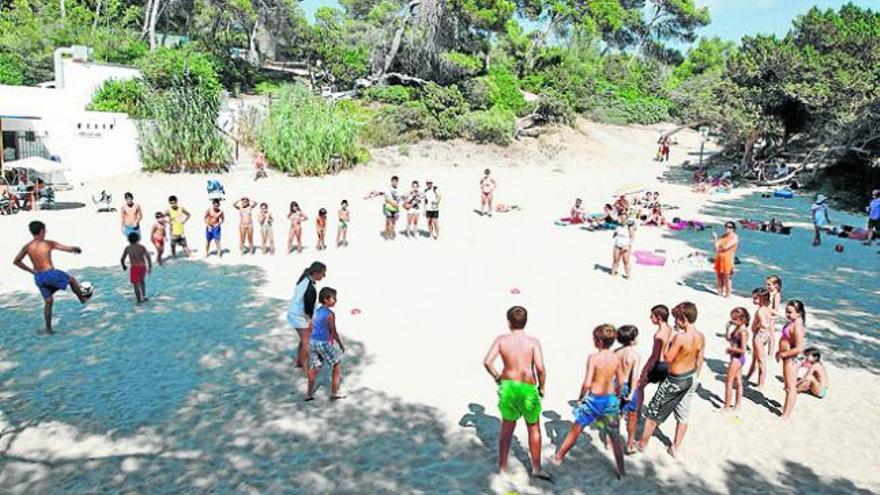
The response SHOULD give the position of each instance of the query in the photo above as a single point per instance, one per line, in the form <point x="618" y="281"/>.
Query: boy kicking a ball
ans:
<point x="48" y="279"/>
<point x="141" y="264"/>
<point x="321" y="344"/>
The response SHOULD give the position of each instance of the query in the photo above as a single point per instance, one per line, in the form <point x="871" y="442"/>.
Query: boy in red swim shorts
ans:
<point x="141" y="264"/>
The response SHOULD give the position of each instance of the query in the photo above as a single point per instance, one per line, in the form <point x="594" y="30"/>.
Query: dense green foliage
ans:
<point x="490" y="126"/>
<point x="181" y="134"/>
<point x="304" y="135"/>
<point x="166" y="66"/>
<point x="121" y="96"/>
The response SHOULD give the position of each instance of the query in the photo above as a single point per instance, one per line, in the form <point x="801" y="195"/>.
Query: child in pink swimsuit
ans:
<point x="737" y="336"/>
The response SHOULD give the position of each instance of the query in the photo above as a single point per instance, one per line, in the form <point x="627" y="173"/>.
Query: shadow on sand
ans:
<point x="839" y="289"/>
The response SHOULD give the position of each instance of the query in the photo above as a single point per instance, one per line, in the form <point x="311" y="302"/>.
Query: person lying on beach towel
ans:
<point x="504" y="208"/>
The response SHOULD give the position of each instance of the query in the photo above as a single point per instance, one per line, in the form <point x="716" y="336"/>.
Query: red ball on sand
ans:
<point x="355" y="311"/>
<point x="514" y="291"/>
<point x="839" y="248"/>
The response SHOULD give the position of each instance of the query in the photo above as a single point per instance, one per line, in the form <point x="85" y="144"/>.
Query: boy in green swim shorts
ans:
<point x="520" y="387"/>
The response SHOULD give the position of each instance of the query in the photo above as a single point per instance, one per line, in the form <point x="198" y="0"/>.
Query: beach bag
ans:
<point x="658" y="372"/>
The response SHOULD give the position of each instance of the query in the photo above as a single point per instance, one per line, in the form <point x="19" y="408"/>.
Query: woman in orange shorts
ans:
<point x="725" y="253"/>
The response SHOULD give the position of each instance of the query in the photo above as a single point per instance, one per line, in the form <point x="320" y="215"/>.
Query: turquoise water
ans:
<point x="841" y="288"/>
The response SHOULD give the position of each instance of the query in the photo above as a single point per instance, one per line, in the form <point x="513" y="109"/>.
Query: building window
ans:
<point x="30" y="137"/>
<point x="79" y="125"/>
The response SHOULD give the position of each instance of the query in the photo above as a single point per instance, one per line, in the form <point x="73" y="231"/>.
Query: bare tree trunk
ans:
<point x="148" y="11"/>
<point x="253" y="54"/>
<point x="97" y="16"/>
<point x="63" y="9"/>
<point x="154" y="17"/>
<point x="748" y="147"/>
<point x="398" y="35"/>
<point x="530" y="54"/>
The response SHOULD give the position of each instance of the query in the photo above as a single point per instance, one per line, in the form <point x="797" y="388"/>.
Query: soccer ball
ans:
<point x="86" y="286"/>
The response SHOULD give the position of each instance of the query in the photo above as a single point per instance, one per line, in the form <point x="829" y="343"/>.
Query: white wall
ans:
<point x="82" y="79"/>
<point x="90" y="144"/>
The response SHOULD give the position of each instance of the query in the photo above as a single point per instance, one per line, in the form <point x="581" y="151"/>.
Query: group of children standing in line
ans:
<point x="615" y="381"/>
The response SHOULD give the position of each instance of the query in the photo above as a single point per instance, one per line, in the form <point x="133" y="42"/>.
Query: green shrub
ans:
<point x="476" y="93"/>
<point x="117" y="46"/>
<point x="181" y="134"/>
<point x="447" y="107"/>
<point x="12" y="69"/>
<point x="303" y="134"/>
<point x="467" y="64"/>
<point x="394" y="94"/>
<point x="267" y="88"/>
<point x="554" y="108"/>
<point x="504" y="91"/>
<point x="490" y="126"/>
<point x="120" y="96"/>
<point x="166" y="67"/>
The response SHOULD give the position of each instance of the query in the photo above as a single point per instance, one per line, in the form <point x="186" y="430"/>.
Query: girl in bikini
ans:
<point x="623" y="237"/>
<point x="762" y="328"/>
<point x="296" y="217"/>
<point x="268" y="236"/>
<point x="737" y="336"/>
<point x="791" y="344"/>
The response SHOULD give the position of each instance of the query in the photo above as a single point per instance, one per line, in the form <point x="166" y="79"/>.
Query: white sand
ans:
<point x="429" y="312"/>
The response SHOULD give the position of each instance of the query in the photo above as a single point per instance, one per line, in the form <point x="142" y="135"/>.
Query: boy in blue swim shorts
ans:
<point x="629" y="394"/>
<point x="599" y="403"/>
<point x="48" y="279"/>
<point x="214" y="219"/>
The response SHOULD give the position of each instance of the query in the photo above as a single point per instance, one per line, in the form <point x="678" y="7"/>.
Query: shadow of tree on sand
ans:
<point x="839" y="289"/>
<point x="589" y="467"/>
<point x="200" y="378"/>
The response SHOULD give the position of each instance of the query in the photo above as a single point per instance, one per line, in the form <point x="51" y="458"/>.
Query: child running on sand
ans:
<point x="322" y="348"/>
<point x="736" y="335"/>
<point x="599" y="394"/>
<point x="214" y="218"/>
<point x="158" y="235"/>
<point x="791" y="343"/>
<point x="141" y="265"/>
<point x="815" y="381"/>
<point x="245" y="207"/>
<point x="177" y="217"/>
<point x="321" y="227"/>
<point x="342" y="230"/>
<point x="762" y="339"/>
<point x="48" y="279"/>
<point x="629" y="395"/>
<point x="518" y="394"/>
<point x="267" y="235"/>
<point x="296" y="217"/>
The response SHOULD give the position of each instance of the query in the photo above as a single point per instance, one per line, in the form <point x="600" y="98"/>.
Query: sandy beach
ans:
<point x="195" y="392"/>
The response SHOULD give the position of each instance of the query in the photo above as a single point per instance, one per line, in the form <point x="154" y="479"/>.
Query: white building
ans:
<point x="52" y="121"/>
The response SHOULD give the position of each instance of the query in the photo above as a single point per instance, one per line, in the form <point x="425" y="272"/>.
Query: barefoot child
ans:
<point x="737" y="336"/>
<point x="214" y="218"/>
<point x="322" y="348"/>
<point x="791" y="343"/>
<point x="773" y="284"/>
<point x="763" y="330"/>
<point x="141" y="264"/>
<point x="296" y="217"/>
<point x="520" y="387"/>
<point x="656" y="368"/>
<point x="487" y="193"/>
<point x="268" y="237"/>
<point x="321" y="227"/>
<point x="599" y="396"/>
<point x="177" y="217"/>
<point x="629" y="396"/>
<point x="158" y="235"/>
<point x="815" y="381"/>
<point x="342" y="229"/>
<point x="48" y="279"/>
<point x="245" y="208"/>
<point x="413" y="206"/>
